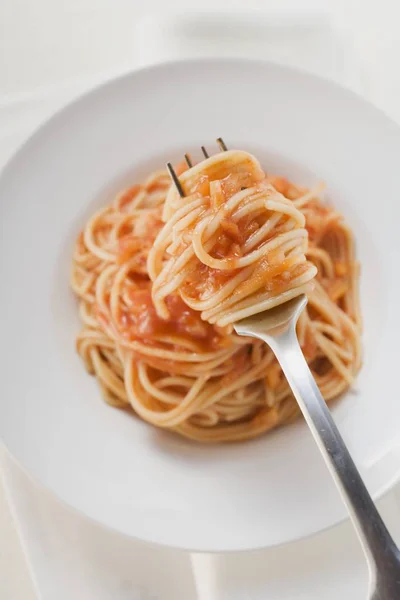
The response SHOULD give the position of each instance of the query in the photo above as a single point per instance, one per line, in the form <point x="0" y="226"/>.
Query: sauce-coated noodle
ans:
<point x="160" y="280"/>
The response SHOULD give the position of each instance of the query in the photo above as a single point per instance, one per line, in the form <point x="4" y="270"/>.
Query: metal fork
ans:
<point x="277" y="328"/>
<point x="174" y="176"/>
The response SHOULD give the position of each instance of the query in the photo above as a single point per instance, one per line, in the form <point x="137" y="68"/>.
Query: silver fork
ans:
<point x="277" y="327"/>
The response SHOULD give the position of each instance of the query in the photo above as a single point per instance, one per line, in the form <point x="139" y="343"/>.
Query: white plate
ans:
<point x="109" y="465"/>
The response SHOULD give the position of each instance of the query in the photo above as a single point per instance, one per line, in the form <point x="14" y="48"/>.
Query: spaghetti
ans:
<point x="157" y="328"/>
<point x="232" y="247"/>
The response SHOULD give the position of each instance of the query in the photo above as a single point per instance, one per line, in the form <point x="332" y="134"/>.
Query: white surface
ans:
<point x="46" y="42"/>
<point x="179" y="493"/>
<point x="96" y="564"/>
<point x="15" y="580"/>
<point x="73" y="558"/>
<point x="329" y="566"/>
<point x="307" y="40"/>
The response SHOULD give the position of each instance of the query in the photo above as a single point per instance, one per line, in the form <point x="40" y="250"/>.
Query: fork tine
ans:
<point x="174" y="176"/>
<point x="175" y="180"/>
<point x="222" y="144"/>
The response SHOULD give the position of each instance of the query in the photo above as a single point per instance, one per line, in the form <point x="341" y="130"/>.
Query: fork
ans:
<point x="277" y="328"/>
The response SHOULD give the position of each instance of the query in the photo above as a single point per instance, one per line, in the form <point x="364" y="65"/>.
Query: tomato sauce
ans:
<point x="140" y="321"/>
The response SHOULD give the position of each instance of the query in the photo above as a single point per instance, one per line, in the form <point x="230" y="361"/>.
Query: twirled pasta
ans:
<point x="233" y="247"/>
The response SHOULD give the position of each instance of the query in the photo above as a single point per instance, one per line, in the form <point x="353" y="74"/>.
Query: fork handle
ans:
<point x="382" y="554"/>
